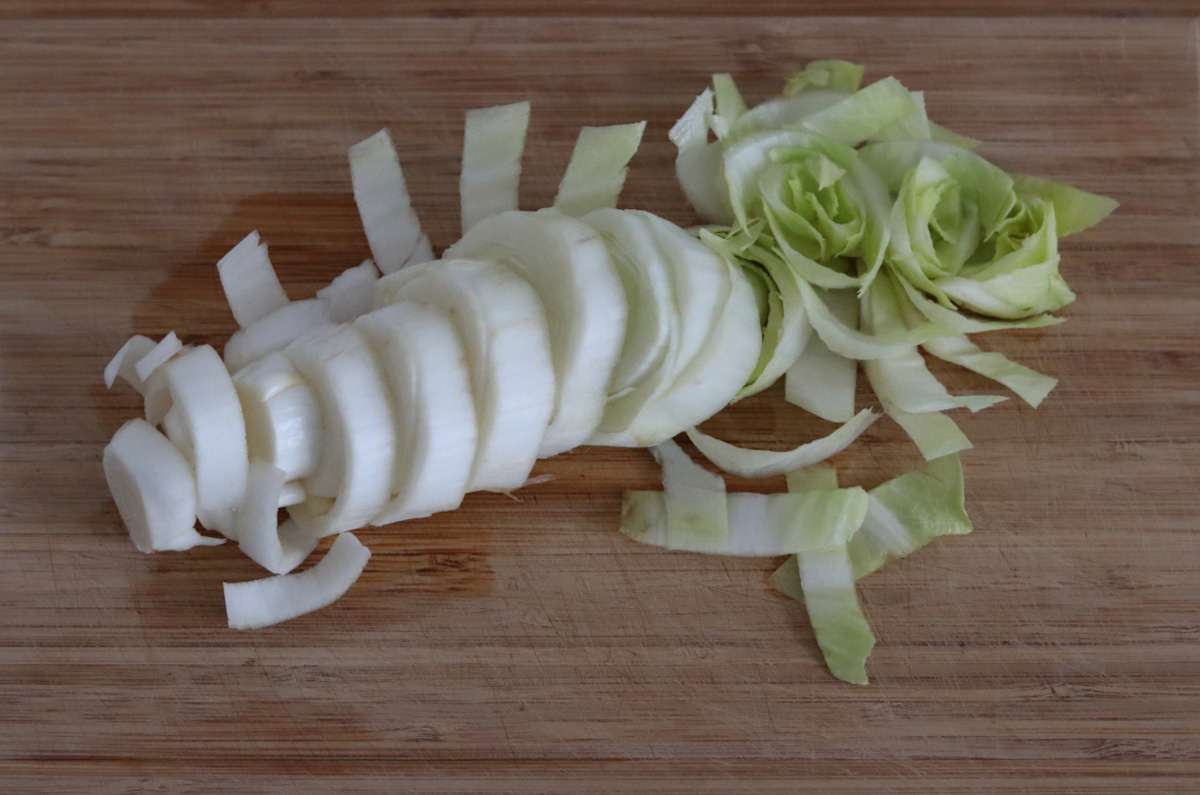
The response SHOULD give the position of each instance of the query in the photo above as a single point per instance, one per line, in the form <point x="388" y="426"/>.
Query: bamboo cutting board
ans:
<point x="523" y="645"/>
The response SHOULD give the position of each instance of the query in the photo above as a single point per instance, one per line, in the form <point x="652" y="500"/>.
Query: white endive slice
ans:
<point x="261" y="603"/>
<point x="821" y="381"/>
<point x="213" y="432"/>
<point x="251" y="286"/>
<point x="167" y="347"/>
<point x="275" y="332"/>
<point x="292" y="493"/>
<point x="764" y="463"/>
<point x="437" y="432"/>
<point x="277" y="548"/>
<point x="568" y="265"/>
<point x="645" y="275"/>
<point x="493" y="142"/>
<point x="503" y="330"/>
<point x="391" y="224"/>
<point x="153" y="487"/>
<point x="695" y="498"/>
<point x="358" y="440"/>
<point x="123" y="364"/>
<point x="599" y="164"/>
<point x="730" y="345"/>
<point x="283" y="418"/>
<point x="760" y="525"/>
<point x="352" y="293"/>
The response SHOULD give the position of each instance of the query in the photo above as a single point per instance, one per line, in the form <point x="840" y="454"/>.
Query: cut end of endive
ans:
<point x="153" y="487"/>
<point x="261" y="603"/>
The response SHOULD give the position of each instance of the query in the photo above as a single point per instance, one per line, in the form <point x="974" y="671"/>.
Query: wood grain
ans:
<point x="275" y="9"/>
<point x="526" y="646"/>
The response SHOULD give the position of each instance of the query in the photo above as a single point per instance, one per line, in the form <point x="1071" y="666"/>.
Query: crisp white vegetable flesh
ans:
<point x="715" y="353"/>
<point x="713" y="334"/>
<point x="251" y="286"/>
<point x="599" y="164"/>
<point x="210" y="417"/>
<point x="358" y="441"/>
<point x="568" y="265"/>
<point x="153" y="487"/>
<point x="503" y="330"/>
<point x="437" y="432"/>
<point x="698" y="165"/>
<point x="123" y="365"/>
<point x="352" y="293"/>
<point x="391" y="224"/>
<point x="275" y="332"/>
<point x="651" y="322"/>
<point x="167" y="347"/>
<point x="261" y="603"/>
<point x="763" y="463"/>
<point x="278" y="549"/>
<point x="283" y="418"/>
<point x="293" y="493"/>
<point x="493" y="142"/>
<point x="1030" y="385"/>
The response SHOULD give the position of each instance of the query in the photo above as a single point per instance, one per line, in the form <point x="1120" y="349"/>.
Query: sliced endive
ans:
<point x="651" y="321"/>
<point x="352" y="293"/>
<point x="211" y="431"/>
<point x="251" y="286"/>
<point x="503" y="329"/>
<point x="599" y="164"/>
<point x="282" y="415"/>
<point x="154" y="489"/>
<point x="426" y="370"/>
<point x="358" y="439"/>
<point x="821" y="381"/>
<point x="393" y="231"/>
<point x="261" y="603"/>
<point x="567" y="263"/>
<point x="277" y="548"/>
<point x="493" y="142"/>
<point x="275" y="331"/>
<point x="752" y="463"/>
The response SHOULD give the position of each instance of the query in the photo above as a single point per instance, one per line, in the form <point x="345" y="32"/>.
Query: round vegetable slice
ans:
<point x="153" y="487"/>
<point x="283" y="418"/>
<point x="358" y="440"/>
<point x="275" y="331"/>
<point x="713" y="355"/>
<point x="568" y="265"/>
<point x="645" y="277"/>
<point x="211" y="430"/>
<point x="503" y="330"/>
<point x="436" y="428"/>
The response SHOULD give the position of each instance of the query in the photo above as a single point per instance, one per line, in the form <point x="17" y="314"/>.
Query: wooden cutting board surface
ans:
<point x="525" y="646"/>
